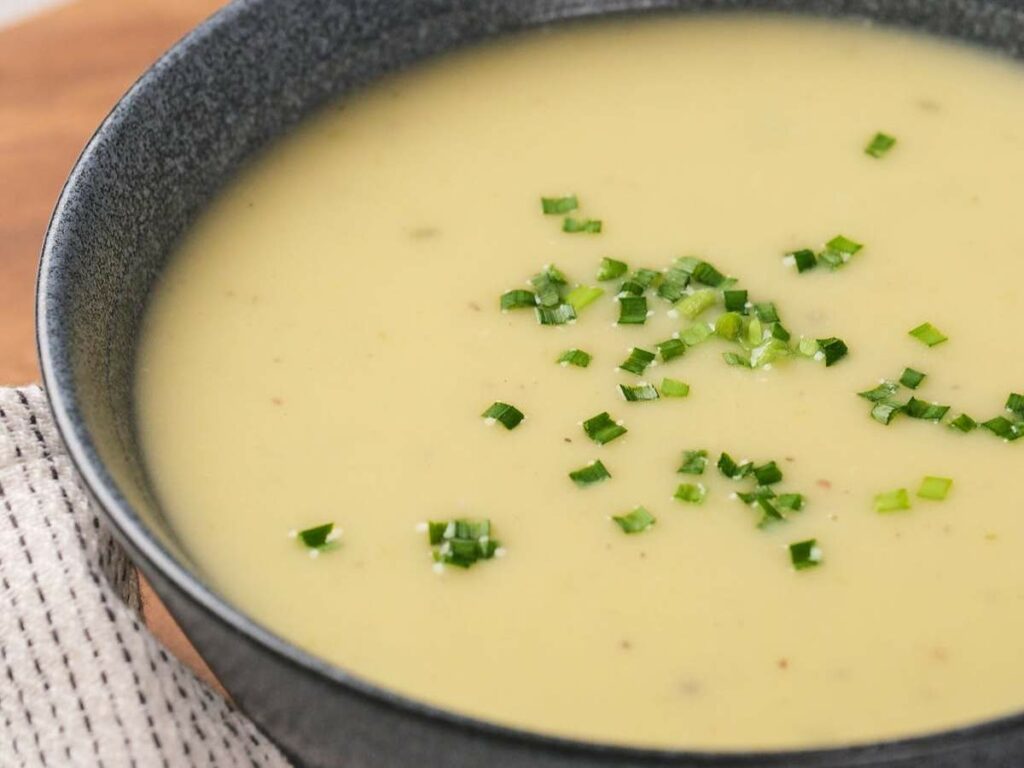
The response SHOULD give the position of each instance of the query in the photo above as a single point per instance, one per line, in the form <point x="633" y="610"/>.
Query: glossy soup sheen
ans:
<point x="323" y="345"/>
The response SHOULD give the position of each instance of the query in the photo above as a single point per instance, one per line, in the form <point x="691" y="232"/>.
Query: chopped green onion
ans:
<point x="461" y="542"/>
<point x="640" y="281"/>
<point x="879" y="145"/>
<point x="964" y="423"/>
<point x="687" y="264"/>
<point x="549" y="285"/>
<point x="582" y="296"/>
<point x="911" y="379"/>
<point x="636" y="521"/>
<point x="805" y="554"/>
<point x="638" y="393"/>
<point x="611" y="269"/>
<point x="807" y="347"/>
<point x="632" y="310"/>
<point x="518" y="299"/>
<point x="708" y="275"/>
<point x="839" y="250"/>
<point x="697" y="302"/>
<point x="768" y="474"/>
<point x="791" y="501"/>
<point x="834" y="350"/>
<point x="559" y="205"/>
<point x="691" y="493"/>
<point x="674" y="388"/>
<point x="696" y="334"/>
<point x="735" y="358"/>
<point x="779" y="333"/>
<point x="882" y="392"/>
<point x="671" y="349"/>
<point x="671" y="291"/>
<point x="766" y="312"/>
<point x="769" y="352"/>
<point x="602" y="429"/>
<point x="576" y="357"/>
<point x="735" y="301"/>
<point x="731" y="469"/>
<point x="803" y="259"/>
<point x="935" y="488"/>
<point x="1015" y="404"/>
<point x="317" y="537"/>
<point x="755" y="332"/>
<point x="694" y="463"/>
<point x="637" y="361"/>
<point x="892" y="501"/>
<point x="754" y="496"/>
<point x="920" y="409"/>
<point x="558" y="315"/>
<point x="928" y="334"/>
<point x="508" y="415"/>
<point x="728" y="325"/>
<point x="589" y="226"/>
<point x="1004" y="428"/>
<point x="594" y="472"/>
<point x="769" y="514"/>
<point x="885" y="412"/>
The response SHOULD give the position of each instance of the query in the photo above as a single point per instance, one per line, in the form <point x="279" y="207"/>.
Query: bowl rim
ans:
<point x="61" y="392"/>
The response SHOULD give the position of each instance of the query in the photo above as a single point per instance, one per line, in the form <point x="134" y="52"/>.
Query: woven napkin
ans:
<point x="82" y="681"/>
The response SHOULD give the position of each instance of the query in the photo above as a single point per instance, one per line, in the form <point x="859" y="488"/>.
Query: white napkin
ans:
<point x="82" y="681"/>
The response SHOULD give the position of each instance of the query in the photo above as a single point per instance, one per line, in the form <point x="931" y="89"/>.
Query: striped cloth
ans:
<point x="82" y="682"/>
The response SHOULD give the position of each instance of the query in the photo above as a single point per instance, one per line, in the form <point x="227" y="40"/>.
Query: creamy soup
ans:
<point x="326" y="340"/>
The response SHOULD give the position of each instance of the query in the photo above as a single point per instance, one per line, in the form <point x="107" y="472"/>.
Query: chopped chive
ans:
<point x="559" y="205"/>
<point x="881" y="393"/>
<point x="803" y="260"/>
<point x="964" y="423"/>
<point x="805" y="554"/>
<point x="892" y="501"/>
<point x="754" y="332"/>
<point x="558" y="315"/>
<point x="731" y="469"/>
<point x="928" y="334"/>
<point x="518" y="299"/>
<point x="632" y="310"/>
<point x="807" y="347"/>
<point x="576" y="357"/>
<point x="636" y="521"/>
<point x="769" y="352"/>
<point x="694" y="463"/>
<point x="1002" y="427"/>
<point x="671" y="291"/>
<point x="638" y="393"/>
<point x="549" y="285"/>
<point x="768" y="474"/>
<point x="508" y="415"/>
<point x="696" y="334"/>
<point x="735" y="301"/>
<point x="674" y="388"/>
<point x="754" y="496"/>
<point x="779" y="333"/>
<point x="583" y="295"/>
<point x="791" y="501"/>
<point x="911" y="379"/>
<point x="920" y="409"/>
<point x="637" y="361"/>
<point x="1015" y="404"/>
<point x="697" y="302"/>
<point x="879" y="145"/>
<point x="766" y="312"/>
<point x="838" y="251"/>
<point x="640" y="281"/>
<point x="611" y="269"/>
<point x="317" y="537"/>
<point x="708" y="275"/>
<point x="728" y="325"/>
<point x="461" y="542"/>
<point x="834" y="350"/>
<point x="885" y="412"/>
<point x="602" y="429"/>
<point x="671" y="349"/>
<point x="574" y="226"/>
<point x="594" y="472"/>
<point x="935" y="488"/>
<point x="687" y="264"/>
<point x="735" y="358"/>
<point x="691" y="493"/>
<point x="769" y="513"/>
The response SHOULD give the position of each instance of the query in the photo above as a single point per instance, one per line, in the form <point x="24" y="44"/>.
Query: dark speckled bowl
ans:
<point x="229" y="88"/>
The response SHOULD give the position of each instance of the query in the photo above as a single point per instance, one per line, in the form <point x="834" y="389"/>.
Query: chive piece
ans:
<point x="632" y="310"/>
<point x="754" y="496"/>
<point x="611" y="269"/>
<point x="697" y="302"/>
<point x="735" y="301"/>
<point x="640" y="281"/>
<point x="317" y="537"/>
<point x="964" y="423"/>
<point x="708" y="275"/>
<point x="574" y="226"/>
<point x="920" y="409"/>
<point x="558" y="315"/>
<point x="838" y="251"/>
<point x="549" y="285"/>
<point x="671" y="291"/>
<point x="462" y="542"/>
<point x="694" y="463"/>
<point x="935" y="488"/>
<point x="691" y="493"/>
<point x="879" y="145"/>
<point x="881" y="393"/>
<point x="1002" y="427"/>
<point x="766" y="312"/>
<point x="803" y="260"/>
<point x="674" y="388"/>
<point x="1015" y="404"/>
<point x="508" y="415"/>
<point x="518" y="299"/>
<point x="636" y="521"/>
<point x="637" y="361"/>
<point x="583" y="295"/>
<point x="594" y="472"/>
<point x="687" y="264"/>
<point x="735" y="358"/>
<point x="779" y="333"/>
<point x="576" y="357"/>
<point x="728" y="325"/>
<point x="671" y="349"/>
<point x="769" y="514"/>
<point x="791" y="501"/>
<point x="639" y="393"/>
<point x="928" y="334"/>
<point x="754" y="332"/>
<point x="731" y="469"/>
<point x="885" y="412"/>
<point x="807" y="347"/>
<point x="602" y="429"/>
<point x="912" y="379"/>
<point x="769" y="352"/>
<point x="892" y="501"/>
<point x="834" y="350"/>
<point x="768" y="474"/>
<point x="696" y="334"/>
<point x="559" y="205"/>
<point x="805" y="554"/>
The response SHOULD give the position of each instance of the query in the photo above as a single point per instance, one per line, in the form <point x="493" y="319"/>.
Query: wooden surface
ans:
<point x="60" y="73"/>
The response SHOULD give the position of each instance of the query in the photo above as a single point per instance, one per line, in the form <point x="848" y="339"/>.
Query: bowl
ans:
<point x="225" y="91"/>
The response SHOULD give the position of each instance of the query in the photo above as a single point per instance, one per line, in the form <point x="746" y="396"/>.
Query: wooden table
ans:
<point x="60" y="73"/>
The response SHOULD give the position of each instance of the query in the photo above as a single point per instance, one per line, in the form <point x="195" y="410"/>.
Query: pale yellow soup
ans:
<point x="324" y="343"/>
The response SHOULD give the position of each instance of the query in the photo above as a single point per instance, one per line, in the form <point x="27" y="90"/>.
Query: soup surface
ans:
<point x="324" y="344"/>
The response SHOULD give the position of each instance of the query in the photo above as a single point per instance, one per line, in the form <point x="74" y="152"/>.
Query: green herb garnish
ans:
<point x="696" y="334"/>
<point x="838" y="251"/>
<point x="697" y="302"/>
<point x="557" y="315"/>
<point x="694" y="463"/>
<point x="574" y="226"/>
<point x="582" y="296"/>
<point x="791" y="501"/>
<point x="882" y="392"/>
<point x="637" y="361"/>
<point x="768" y="474"/>
<point x="885" y="412"/>
<point x="461" y="542"/>
<point x="920" y="409"/>
<point x="805" y="554"/>
<point x="935" y="488"/>
<point x="731" y="469"/>
<point x="671" y="349"/>
<point x="911" y="379"/>
<point x="766" y="312"/>
<point x="928" y="334"/>
<point x="769" y="513"/>
<point x="549" y="285"/>
<point x="735" y="301"/>
<point x="559" y="205"/>
<point x="636" y="521"/>
<point x="638" y="393"/>
<point x="518" y="299"/>
<point x="892" y="501"/>
<point x="632" y="310"/>
<point x="602" y="429"/>
<point x="594" y="472"/>
<point x="833" y="349"/>
<point x="1002" y="427"/>
<point x="318" y="537"/>
<point x="576" y="357"/>
<point x="728" y="325"/>
<point x="508" y="415"/>
<point x="708" y="275"/>
<point x="964" y="423"/>
<point x="879" y="145"/>
<point x="691" y="493"/>
<point x="803" y="259"/>
<point x="737" y="359"/>
<point x="1015" y="404"/>
<point x="611" y="269"/>
<point x="640" y="281"/>
<point x="754" y="496"/>
<point x="674" y="388"/>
